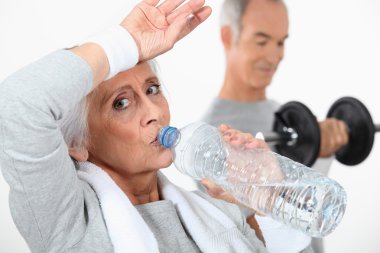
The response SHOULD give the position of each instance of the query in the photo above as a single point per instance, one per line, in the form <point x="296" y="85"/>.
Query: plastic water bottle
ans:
<point x="270" y="184"/>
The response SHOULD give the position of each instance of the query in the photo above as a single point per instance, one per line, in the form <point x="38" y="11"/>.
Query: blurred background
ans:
<point x="333" y="51"/>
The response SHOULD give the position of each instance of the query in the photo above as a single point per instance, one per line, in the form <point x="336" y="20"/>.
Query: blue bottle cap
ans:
<point x="169" y="136"/>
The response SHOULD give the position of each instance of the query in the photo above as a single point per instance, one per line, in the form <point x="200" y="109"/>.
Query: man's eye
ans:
<point x="153" y="90"/>
<point x="121" y="104"/>
<point x="261" y="43"/>
<point x="281" y="43"/>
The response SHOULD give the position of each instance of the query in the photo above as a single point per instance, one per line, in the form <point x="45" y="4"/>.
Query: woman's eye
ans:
<point x="121" y="104"/>
<point x="153" y="90"/>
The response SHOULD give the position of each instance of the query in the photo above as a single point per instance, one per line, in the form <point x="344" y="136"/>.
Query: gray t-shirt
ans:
<point x="53" y="209"/>
<point x="162" y="219"/>
<point x="246" y="117"/>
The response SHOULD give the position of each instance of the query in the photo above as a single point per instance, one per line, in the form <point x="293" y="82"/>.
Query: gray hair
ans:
<point x="74" y="126"/>
<point x="232" y="12"/>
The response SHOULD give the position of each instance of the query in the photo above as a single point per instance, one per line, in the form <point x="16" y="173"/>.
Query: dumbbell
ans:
<point x="296" y="132"/>
<point x="361" y="129"/>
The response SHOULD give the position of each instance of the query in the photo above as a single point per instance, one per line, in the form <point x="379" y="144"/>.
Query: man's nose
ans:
<point x="275" y="55"/>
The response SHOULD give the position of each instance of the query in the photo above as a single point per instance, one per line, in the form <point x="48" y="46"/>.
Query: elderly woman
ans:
<point x="79" y="150"/>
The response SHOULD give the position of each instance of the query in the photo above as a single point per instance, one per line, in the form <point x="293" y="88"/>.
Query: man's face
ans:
<point x="260" y="47"/>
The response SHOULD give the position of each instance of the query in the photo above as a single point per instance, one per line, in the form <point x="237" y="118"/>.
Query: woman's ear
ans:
<point x="79" y="154"/>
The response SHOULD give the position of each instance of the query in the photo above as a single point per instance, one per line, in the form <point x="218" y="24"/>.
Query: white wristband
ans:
<point x="120" y="48"/>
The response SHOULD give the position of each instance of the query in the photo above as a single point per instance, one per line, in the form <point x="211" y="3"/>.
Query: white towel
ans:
<point x="129" y="232"/>
<point x="280" y="238"/>
<point x="126" y="227"/>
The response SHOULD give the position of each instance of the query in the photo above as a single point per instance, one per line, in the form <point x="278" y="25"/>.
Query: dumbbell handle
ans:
<point x="288" y="136"/>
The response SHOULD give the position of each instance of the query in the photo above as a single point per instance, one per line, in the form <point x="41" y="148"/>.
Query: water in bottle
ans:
<point x="271" y="184"/>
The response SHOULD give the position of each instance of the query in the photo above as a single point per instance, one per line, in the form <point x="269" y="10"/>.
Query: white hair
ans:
<point x="74" y="126"/>
<point x="232" y="12"/>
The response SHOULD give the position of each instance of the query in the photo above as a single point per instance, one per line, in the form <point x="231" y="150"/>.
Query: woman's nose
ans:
<point x="151" y="113"/>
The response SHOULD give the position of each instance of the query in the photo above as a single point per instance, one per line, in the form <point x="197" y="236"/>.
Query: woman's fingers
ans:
<point x="156" y="29"/>
<point x="170" y="5"/>
<point x="186" y="23"/>
<point x="241" y="140"/>
<point x="256" y="143"/>
<point x="151" y="2"/>
<point x="232" y="135"/>
<point x="223" y="127"/>
<point x="212" y="189"/>
<point x="217" y="192"/>
<point x="190" y="8"/>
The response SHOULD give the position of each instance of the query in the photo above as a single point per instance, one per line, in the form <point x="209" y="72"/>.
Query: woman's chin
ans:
<point x="165" y="159"/>
<point x="168" y="161"/>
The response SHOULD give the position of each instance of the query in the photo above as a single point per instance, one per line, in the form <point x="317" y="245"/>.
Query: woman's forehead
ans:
<point x="136" y="75"/>
<point x="132" y="79"/>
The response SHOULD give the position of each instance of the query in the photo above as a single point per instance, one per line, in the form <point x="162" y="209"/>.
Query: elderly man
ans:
<point x="253" y="34"/>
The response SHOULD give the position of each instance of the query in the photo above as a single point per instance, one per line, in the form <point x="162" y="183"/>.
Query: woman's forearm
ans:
<point x="96" y="58"/>
<point x="33" y="156"/>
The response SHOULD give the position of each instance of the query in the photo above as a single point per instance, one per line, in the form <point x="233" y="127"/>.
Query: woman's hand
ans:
<point x="157" y="28"/>
<point x="239" y="140"/>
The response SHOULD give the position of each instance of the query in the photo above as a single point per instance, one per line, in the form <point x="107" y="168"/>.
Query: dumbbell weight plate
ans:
<point x="361" y="129"/>
<point x="297" y="116"/>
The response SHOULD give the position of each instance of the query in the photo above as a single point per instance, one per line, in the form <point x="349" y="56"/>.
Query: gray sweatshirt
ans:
<point x="52" y="208"/>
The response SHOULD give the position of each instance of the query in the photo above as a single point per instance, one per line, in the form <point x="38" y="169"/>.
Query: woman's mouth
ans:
<point x="155" y="142"/>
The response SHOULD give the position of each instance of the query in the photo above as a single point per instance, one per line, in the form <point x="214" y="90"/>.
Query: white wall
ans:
<point x="333" y="51"/>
